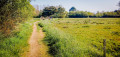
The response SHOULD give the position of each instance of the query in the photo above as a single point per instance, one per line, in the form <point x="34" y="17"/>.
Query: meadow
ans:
<point x="68" y="37"/>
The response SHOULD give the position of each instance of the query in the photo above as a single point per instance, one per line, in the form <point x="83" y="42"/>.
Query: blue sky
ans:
<point x="82" y="5"/>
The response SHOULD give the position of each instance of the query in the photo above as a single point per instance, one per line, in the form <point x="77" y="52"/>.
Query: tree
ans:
<point x="12" y="12"/>
<point x="118" y="11"/>
<point x="60" y="12"/>
<point x="48" y="11"/>
<point x="55" y="12"/>
<point x="78" y="14"/>
<point x="61" y="9"/>
<point x="99" y="15"/>
<point x="73" y="9"/>
<point x="90" y="14"/>
<point x="109" y="14"/>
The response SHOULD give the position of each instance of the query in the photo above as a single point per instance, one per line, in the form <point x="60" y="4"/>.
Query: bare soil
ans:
<point x="37" y="46"/>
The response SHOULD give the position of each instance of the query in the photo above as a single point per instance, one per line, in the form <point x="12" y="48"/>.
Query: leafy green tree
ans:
<point x="61" y="9"/>
<point x="66" y="14"/>
<point x="90" y="14"/>
<point x="12" y="12"/>
<point x="99" y="15"/>
<point x="72" y="9"/>
<point x="118" y="12"/>
<point x="78" y="14"/>
<point x="48" y="11"/>
<point x="109" y="14"/>
<point x="60" y="13"/>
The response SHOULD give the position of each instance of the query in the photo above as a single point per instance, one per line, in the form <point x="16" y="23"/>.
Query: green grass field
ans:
<point x="83" y="36"/>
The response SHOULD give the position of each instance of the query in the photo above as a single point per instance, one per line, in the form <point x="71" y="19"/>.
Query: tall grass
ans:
<point x="65" y="45"/>
<point x="93" y="32"/>
<point x="14" y="45"/>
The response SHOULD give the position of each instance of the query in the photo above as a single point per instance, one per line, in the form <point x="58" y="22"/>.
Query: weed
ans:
<point x="65" y="27"/>
<point x="85" y="26"/>
<point x="116" y="33"/>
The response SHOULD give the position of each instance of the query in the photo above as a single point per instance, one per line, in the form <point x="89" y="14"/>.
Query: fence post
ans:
<point x="104" y="47"/>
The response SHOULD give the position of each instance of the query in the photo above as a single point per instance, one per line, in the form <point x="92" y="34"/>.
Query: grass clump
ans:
<point x="14" y="45"/>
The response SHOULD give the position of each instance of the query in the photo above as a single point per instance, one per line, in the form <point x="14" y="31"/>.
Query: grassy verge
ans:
<point x="13" y="46"/>
<point x="65" y="45"/>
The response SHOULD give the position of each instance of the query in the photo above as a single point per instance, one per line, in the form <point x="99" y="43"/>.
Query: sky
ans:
<point x="81" y="5"/>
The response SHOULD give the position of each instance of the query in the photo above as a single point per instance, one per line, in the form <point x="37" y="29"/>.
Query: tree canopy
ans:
<point x="13" y="12"/>
<point x="73" y="9"/>
<point x="47" y="11"/>
<point x="52" y="11"/>
<point x="61" y="13"/>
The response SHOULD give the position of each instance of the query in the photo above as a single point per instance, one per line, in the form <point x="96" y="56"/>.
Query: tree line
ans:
<point x="52" y="11"/>
<point x="85" y="14"/>
<point x="59" y="12"/>
<point x="13" y="12"/>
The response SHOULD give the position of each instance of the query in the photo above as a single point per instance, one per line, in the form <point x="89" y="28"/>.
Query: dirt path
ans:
<point x="37" y="47"/>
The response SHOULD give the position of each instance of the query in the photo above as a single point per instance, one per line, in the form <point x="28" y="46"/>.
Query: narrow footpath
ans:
<point x="37" y="46"/>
